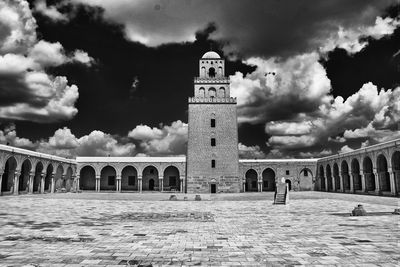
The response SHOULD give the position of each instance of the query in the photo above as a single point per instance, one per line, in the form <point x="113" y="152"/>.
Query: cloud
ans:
<point x="345" y="149"/>
<point x="304" y="27"/>
<point x="49" y="11"/>
<point x="27" y="91"/>
<point x="166" y="140"/>
<point x="250" y="152"/>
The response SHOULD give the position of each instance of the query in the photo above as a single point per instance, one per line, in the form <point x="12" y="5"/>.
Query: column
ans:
<point x="352" y="182"/>
<point x="341" y="181"/>
<point x="16" y="182"/>
<point x="377" y="182"/>
<point x="52" y="183"/>
<point x="1" y="180"/>
<point x="182" y="179"/>
<point x="118" y="181"/>
<point x="326" y="183"/>
<point x="259" y="181"/>
<point x="244" y="185"/>
<point x="392" y="182"/>
<point x="362" y="178"/>
<point x="97" y="182"/>
<point x="77" y="182"/>
<point x="161" y="182"/>
<point x="140" y="188"/>
<point x="30" y="182"/>
<point x="42" y="177"/>
<point x="333" y="183"/>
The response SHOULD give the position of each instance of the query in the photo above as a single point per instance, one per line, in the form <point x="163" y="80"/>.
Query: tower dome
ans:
<point x="211" y="54"/>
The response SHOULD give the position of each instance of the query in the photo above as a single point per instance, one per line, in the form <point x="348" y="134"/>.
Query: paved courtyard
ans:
<point x="107" y="229"/>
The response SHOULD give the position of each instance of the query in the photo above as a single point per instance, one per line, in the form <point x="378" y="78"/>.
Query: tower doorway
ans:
<point x="213" y="188"/>
<point x="289" y="184"/>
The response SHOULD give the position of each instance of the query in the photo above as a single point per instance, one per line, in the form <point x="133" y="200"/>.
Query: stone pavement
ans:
<point x="84" y="230"/>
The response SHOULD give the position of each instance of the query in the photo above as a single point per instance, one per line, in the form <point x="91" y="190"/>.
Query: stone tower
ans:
<point x="212" y="157"/>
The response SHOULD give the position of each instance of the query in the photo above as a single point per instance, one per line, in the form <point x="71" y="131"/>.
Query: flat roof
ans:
<point x="277" y="160"/>
<point x="130" y="159"/>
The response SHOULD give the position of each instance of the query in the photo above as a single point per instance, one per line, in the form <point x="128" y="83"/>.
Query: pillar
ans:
<point x="30" y="182"/>
<point x="341" y="182"/>
<point x="1" y="180"/>
<point x="182" y="179"/>
<point x="352" y="182"/>
<point x="161" y="181"/>
<point x="42" y="177"/>
<point x="377" y="182"/>
<point x="140" y="184"/>
<point x="118" y="181"/>
<point x="363" y="182"/>
<point x="16" y="182"/>
<point x="259" y="181"/>
<point x="244" y="185"/>
<point x="326" y="184"/>
<point x="97" y="182"/>
<point x="392" y="182"/>
<point x="77" y="183"/>
<point x="333" y="182"/>
<point x="52" y="183"/>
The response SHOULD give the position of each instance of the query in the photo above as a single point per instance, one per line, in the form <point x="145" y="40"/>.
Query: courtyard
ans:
<point x="111" y="229"/>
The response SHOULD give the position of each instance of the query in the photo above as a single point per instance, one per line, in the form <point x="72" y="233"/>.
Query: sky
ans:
<point x="312" y="78"/>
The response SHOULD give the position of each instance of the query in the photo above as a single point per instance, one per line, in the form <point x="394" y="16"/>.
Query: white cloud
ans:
<point x="49" y="11"/>
<point x="250" y="152"/>
<point x="82" y="57"/>
<point x="48" y="54"/>
<point x="345" y="149"/>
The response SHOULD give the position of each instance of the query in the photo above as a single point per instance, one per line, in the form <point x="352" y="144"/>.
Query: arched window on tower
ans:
<point x="211" y="72"/>
<point x="220" y="71"/>
<point x="221" y="92"/>
<point x="201" y="92"/>
<point x="212" y="92"/>
<point x="203" y="72"/>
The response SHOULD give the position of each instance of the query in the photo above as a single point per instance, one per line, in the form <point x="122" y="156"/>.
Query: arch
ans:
<point x="322" y="178"/>
<point x="150" y="179"/>
<point x="108" y="176"/>
<point x="336" y="176"/>
<point x="47" y="178"/>
<point x="344" y="169"/>
<point x="203" y="72"/>
<point x="289" y="184"/>
<point x="129" y="180"/>
<point x="306" y="179"/>
<point x="221" y="92"/>
<point x="369" y="174"/>
<point x="37" y="177"/>
<point x="23" y="183"/>
<point x="171" y="178"/>
<point x="329" y="178"/>
<point x="202" y="92"/>
<point x="251" y="184"/>
<point x="212" y="92"/>
<point x="59" y="182"/>
<point x="268" y="183"/>
<point x="355" y="171"/>
<point x="211" y="72"/>
<point x="87" y="178"/>
<point x="7" y="182"/>
<point x="396" y="170"/>
<point x="220" y="72"/>
<point x="383" y="174"/>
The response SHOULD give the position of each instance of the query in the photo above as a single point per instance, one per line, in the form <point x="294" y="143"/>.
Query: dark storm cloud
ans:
<point x="255" y="28"/>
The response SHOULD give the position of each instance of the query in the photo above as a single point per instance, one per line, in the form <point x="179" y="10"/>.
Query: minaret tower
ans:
<point x="212" y="157"/>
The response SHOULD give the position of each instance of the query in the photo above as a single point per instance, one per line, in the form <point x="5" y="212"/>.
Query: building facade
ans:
<point x="212" y="163"/>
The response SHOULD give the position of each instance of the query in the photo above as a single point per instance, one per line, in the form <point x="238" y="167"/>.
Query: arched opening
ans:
<point x="212" y="92"/>
<point x="383" y="174"/>
<point x="396" y="170"/>
<point x="59" y="182"/>
<point x="329" y="177"/>
<point x="289" y="184"/>
<point x="47" y="178"/>
<point x="68" y="181"/>
<point x="7" y="182"/>
<point x="368" y="174"/>
<point x="336" y="177"/>
<point x="345" y="175"/>
<point x="251" y="181"/>
<point x="87" y="178"/>
<point x="202" y="92"/>
<point x="203" y="72"/>
<point x="221" y="92"/>
<point x="108" y="178"/>
<point x="150" y="179"/>
<point x="268" y="176"/>
<point x="220" y="74"/>
<point x="171" y="179"/>
<point x="211" y="72"/>
<point x="38" y="177"/>
<point x="355" y="171"/>
<point x="23" y="184"/>
<point x="322" y="178"/>
<point x="129" y="180"/>
<point x="306" y="179"/>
